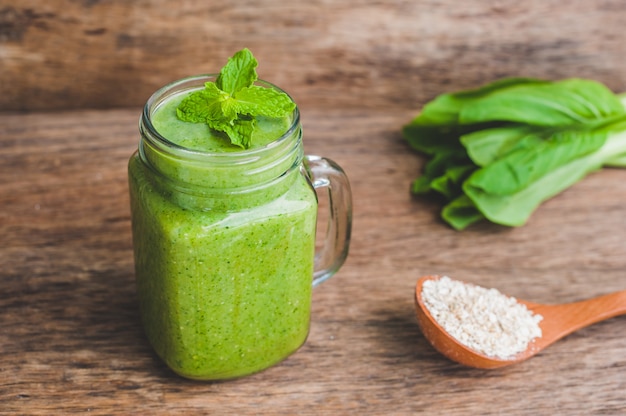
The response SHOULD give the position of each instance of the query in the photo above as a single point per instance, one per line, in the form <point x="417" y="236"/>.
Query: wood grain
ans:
<point x="62" y="54"/>
<point x="70" y="337"/>
<point x="71" y="341"/>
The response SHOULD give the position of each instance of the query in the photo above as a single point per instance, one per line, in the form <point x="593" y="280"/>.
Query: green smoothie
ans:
<point x="223" y="252"/>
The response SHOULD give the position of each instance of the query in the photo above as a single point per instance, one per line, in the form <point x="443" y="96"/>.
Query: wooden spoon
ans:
<point x="558" y="321"/>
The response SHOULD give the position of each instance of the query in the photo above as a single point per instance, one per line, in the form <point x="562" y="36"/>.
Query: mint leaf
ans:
<point x="259" y="101"/>
<point x="231" y="103"/>
<point x="241" y="131"/>
<point x="239" y="72"/>
<point x="202" y="106"/>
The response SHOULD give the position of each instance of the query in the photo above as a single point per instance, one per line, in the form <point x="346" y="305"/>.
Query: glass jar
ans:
<point x="225" y="245"/>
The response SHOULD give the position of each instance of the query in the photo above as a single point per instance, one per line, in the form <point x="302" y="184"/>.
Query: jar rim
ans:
<point x="191" y="83"/>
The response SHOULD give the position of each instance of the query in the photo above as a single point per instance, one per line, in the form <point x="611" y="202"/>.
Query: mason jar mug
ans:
<point x="225" y="244"/>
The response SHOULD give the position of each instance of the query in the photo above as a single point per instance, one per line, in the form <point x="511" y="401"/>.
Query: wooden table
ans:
<point x="71" y="340"/>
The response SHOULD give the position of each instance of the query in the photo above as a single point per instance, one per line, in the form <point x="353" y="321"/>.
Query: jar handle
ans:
<point x="326" y="174"/>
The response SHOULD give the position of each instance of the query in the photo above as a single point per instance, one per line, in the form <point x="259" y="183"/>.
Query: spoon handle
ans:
<point x="561" y="320"/>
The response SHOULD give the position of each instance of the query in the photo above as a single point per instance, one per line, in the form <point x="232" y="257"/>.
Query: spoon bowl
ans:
<point x="558" y="321"/>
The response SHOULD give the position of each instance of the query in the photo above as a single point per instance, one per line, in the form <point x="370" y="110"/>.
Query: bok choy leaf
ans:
<point x="499" y="151"/>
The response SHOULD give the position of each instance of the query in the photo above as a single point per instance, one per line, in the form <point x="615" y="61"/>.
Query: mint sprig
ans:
<point x="232" y="103"/>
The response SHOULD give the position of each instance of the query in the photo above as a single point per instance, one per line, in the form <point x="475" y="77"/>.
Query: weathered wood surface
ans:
<point x="59" y="54"/>
<point x="71" y="341"/>
<point x="70" y="338"/>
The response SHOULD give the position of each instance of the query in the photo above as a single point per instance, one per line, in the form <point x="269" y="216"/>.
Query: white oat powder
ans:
<point x="484" y="320"/>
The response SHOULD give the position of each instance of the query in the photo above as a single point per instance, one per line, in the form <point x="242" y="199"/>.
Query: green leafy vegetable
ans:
<point x="499" y="151"/>
<point x="232" y="103"/>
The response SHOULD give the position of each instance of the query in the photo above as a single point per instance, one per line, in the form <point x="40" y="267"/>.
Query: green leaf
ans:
<point x="514" y="143"/>
<point x="445" y="110"/>
<point x="519" y="168"/>
<point x="231" y="108"/>
<point x="618" y="161"/>
<point x="438" y="127"/>
<point x="514" y="209"/>
<point x="461" y="213"/>
<point x="231" y="103"/>
<point x="421" y="185"/>
<point x="486" y="146"/>
<point x="433" y="139"/>
<point x="435" y="168"/>
<point x="202" y="106"/>
<point x="241" y="132"/>
<point x="450" y="183"/>
<point x="259" y="101"/>
<point x="547" y="104"/>
<point x="238" y="73"/>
